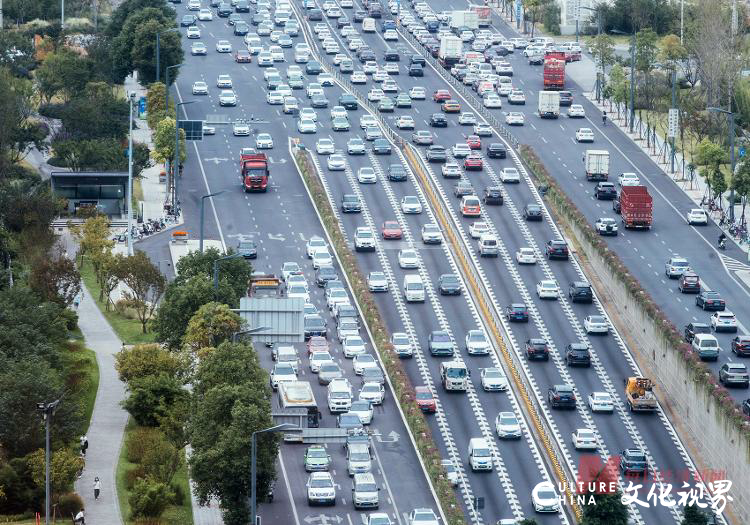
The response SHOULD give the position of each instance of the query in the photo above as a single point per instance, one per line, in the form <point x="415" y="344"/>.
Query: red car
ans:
<point x="392" y="230"/>
<point x="474" y="142"/>
<point x="473" y="163"/>
<point x="441" y="95"/>
<point x="243" y="55"/>
<point x="425" y="399"/>
<point x="317" y="343"/>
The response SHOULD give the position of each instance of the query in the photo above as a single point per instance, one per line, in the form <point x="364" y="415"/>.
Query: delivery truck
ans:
<point x="464" y="20"/>
<point x="451" y="49"/>
<point x="484" y="14"/>
<point x="635" y="206"/>
<point x="549" y="104"/>
<point x="554" y="70"/>
<point x="596" y="164"/>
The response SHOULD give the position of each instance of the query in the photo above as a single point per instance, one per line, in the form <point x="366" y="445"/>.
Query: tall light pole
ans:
<point x="250" y="331"/>
<point x="632" y="76"/>
<point x="176" y="168"/>
<point x="166" y="110"/>
<point x="62" y="14"/>
<point x="131" y="97"/>
<point x="253" y="467"/>
<point x="203" y="200"/>
<point x="158" y="49"/>
<point x="47" y="410"/>
<point x="730" y="114"/>
<point x="166" y="75"/>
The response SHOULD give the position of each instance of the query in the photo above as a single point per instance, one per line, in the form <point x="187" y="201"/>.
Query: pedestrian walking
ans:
<point x="80" y="518"/>
<point x="97" y="487"/>
<point x="84" y="445"/>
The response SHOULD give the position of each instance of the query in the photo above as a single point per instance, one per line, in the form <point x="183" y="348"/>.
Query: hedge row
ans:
<point x="404" y="390"/>
<point x="701" y="373"/>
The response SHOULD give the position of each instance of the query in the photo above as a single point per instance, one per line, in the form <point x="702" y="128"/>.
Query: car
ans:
<point x="200" y="88"/>
<point x="634" y="461"/>
<point x="474" y="142"/>
<point x="363" y="410"/>
<point x="223" y="46"/>
<point x="605" y="191"/>
<point x="561" y="396"/>
<point x="353" y="345"/>
<point x="473" y="162"/>
<point x="325" y="146"/>
<point x="478" y="228"/>
<point x="628" y="179"/>
<point x="440" y="343"/>
<point x="402" y="344"/>
<point x="584" y="135"/>
<point x="510" y="175"/>
<point x="403" y="101"/>
<point x="227" y="98"/>
<point x="734" y="374"/>
<point x="544" y="498"/>
<point x="556" y="249"/>
<point x="461" y="150"/>
<point x="537" y="349"/>
<point x="355" y="146"/>
<point x="438" y="120"/>
<point x="377" y="282"/>
<point x="381" y="146"/>
<point x="340" y="124"/>
<point x="422" y="138"/>
<point x="408" y="259"/>
<point x="606" y="226"/>
<point x="325" y="274"/>
<point x="692" y="329"/>
<point x="449" y="284"/>
<point x="566" y="98"/>
<point x="576" y="111"/>
<point x="526" y="255"/>
<point x="205" y="15"/>
<point x="724" y="321"/>
<point x="577" y="354"/>
<point x="584" y="439"/>
<point x="451" y="170"/>
<point x="482" y="130"/>
<point x="264" y="141"/>
<point x="391" y="230"/>
<point x="362" y="361"/>
<point x="533" y="212"/>
<point x="493" y="380"/>
<point x="476" y="343"/>
<point x="514" y="118"/>
<point x="193" y="32"/>
<point x="467" y="118"/>
<point x="689" y="282"/>
<point x="676" y="266"/>
<point x="372" y="391"/>
<point x="496" y="151"/>
<point x="373" y="133"/>
<point x="741" y="345"/>
<point x="321" y="489"/>
<point x="350" y="203"/>
<point x="305" y="125"/>
<point x="547" y="289"/>
<point x="436" y="153"/>
<point x="314" y="244"/>
<point x="517" y="312"/>
<point x="451" y="473"/>
<point x="517" y="97"/>
<point x="406" y="122"/>
<point x="248" y="249"/>
<point x="281" y="372"/>
<point x="492" y="101"/>
<point x="198" y="48"/>
<point x="462" y="188"/>
<point x="709" y="300"/>
<point x="240" y="129"/>
<point x="596" y="324"/>
<point x="441" y="95"/>
<point x="601" y="402"/>
<point x="507" y="426"/>
<point x="317" y="459"/>
<point x="386" y="105"/>
<point x="451" y="106"/>
<point x="423" y="517"/>
<point x="366" y="175"/>
<point x="697" y="216"/>
<point x="188" y="20"/>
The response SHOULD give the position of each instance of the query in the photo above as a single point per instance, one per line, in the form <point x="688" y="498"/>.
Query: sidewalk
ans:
<point x="107" y="421"/>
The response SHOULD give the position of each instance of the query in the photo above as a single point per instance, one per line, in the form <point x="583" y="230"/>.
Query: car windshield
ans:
<point x="508" y="420"/>
<point x="679" y="263"/>
<point x="401" y="340"/>
<point x="314" y="322"/>
<point x="709" y="343"/>
<point x="598" y="319"/>
<point x="546" y="494"/>
<point x="359" y="456"/>
<point x="476" y="337"/>
<point x="366" y="358"/>
<point x="367" y="487"/>
<point x="481" y="453"/>
<point x="422" y="395"/>
<point x="359" y="406"/>
<point x="493" y="373"/>
<point x="329" y="367"/>
<point x="318" y="483"/>
<point x="317" y="453"/>
<point x="456" y="373"/>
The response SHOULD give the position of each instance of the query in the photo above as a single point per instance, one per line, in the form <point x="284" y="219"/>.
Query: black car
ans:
<point x="561" y="396"/>
<point x="325" y="274"/>
<point x="448" y="284"/>
<point x="556" y="249"/>
<point x="517" y="312"/>
<point x="438" y="120"/>
<point x="241" y="29"/>
<point x="188" y="20"/>
<point x="359" y="15"/>
<point x="537" y="349"/>
<point x="634" y="461"/>
<point x="350" y="203"/>
<point x="415" y="70"/>
<point x="580" y="292"/>
<point x="691" y="329"/>
<point x="315" y="15"/>
<point x="314" y="325"/>
<point x="248" y="249"/>
<point x="319" y="101"/>
<point x="532" y="212"/>
<point x="710" y="301"/>
<point x="741" y="345"/>
<point x="396" y="173"/>
<point x="381" y="147"/>
<point x="242" y="6"/>
<point x="436" y="154"/>
<point x="493" y="195"/>
<point x="342" y="21"/>
<point x="496" y="151"/>
<point x="348" y="101"/>
<point x="224" y="10"/>
<point x="605" y="191"/>
<point x="577" y="354"/>
<point x="366" y="56"/>
<point x="391" y="55"/>
<point x="566" y="98"/>
<point x="417" y="59"/>
<point x="313" y="67"/>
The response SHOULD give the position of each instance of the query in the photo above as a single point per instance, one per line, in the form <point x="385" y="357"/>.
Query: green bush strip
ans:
<point x="404" y="390"/>
<point x="564" y="208"/>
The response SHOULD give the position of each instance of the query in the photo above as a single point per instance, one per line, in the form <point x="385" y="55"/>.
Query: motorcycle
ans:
<point x="723" y="243"/>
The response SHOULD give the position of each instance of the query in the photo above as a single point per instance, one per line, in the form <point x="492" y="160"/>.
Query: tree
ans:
<point x="128" y="7"/>
<point x="123" y="45"/>
<point x="671" y="51"/>
<point x="96" y="113"/>
<point x="527" y="521"/>
<point x="64" y="467"/>
<point x="16" y="52"/>
<point x="64" y="72"/>
<point x="55" y="279"/>
<point x="231" y="400"/>
<point x="236" y="272"/>
<point x="607" y="510"/>
<point x="139" y="361"/>
<point x="155" y="101"/>
<point x="112" y="270"/>
<point x="603" y="50"/>
<point x="535" y="8"/>
<point x="87" y="155"/>
<point x="618" y="85"/>
<point x="93" y="239"/>
<point x="152" y="397"/>
<point x="551" y="17"/>
<point x="741" y="183"/>
<point x="164" y="141"/>
<point x="145" y="286"/>
<point x="211" y="325"/>
<point x="149" y="498"/>
<point x="17" y="130"/>
<point x="144" y="51"/>
<point x="710" y="156"/>
<point x="692" y="515"/>
<point x="646" y="51"/>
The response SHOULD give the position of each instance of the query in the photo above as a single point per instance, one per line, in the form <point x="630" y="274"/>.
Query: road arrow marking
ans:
<point x="278" y="237"/>
<point x="392" y="437"/>
<point x="216" y="160"/>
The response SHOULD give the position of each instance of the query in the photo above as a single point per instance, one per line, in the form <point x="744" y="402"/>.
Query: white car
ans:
<point x="335" y="296"/>
<point x="601" y="402"/>
<point x="510" y="175"/>
<point x="584" y="439"/>
<point x="401" y="344"/>
<point x="526" y="256"/>
<point x="507" y="426"/>
<point x="676" y="266"/>
<point x="336" y="162"/>
<point x="478" y="228"/>
<point x="324" y="147"/>
<point x="380" y="75"/>
<point x="223" y="46"/>
<point x="198" y="48"/>
<point x="308" y="113"/>
<point x="377" y="282"/>
<point x="390" y="34"/>
<point x="724" y="321"/>
<point x="306" y="126"/>
<point x="362" y="409"/>
<point x="200" y="88"/>
<point x="224" y="81"/>
<point x="339" y="112"/>
<point x="628" y="179"/>
<point x="277" y="53"/>
<point x="467" y="118"/>
<point x="294" y="291"/>
<point x="405" y="122"/>
<point x="240" y="129"/>
<point x="697" y="216"/>
<point x="544" y="498"/>
<point x="476" y="343"/>
<point x="205" y="15"/>
<point x="321" y="489"/>
<point x="390" y="86"/>
<point x="193" y="32"/>
<point x="516" y="97"/>
<point x="494" y="380"/>
<point x="407" y="259"/>
<point x="227" y="98"/>
<point x="282" y="372"/>
<point x="362" y="361"/>
<point x="423" y="517"/>
<point x="264" y="141"/>
<point x="450" y="472"/>
<point x="584" y="135"/>
<point x="367" y="120"/>
<point x="366" y="175"/>
<point x="417" y="93"/>
<point x="576" y="111"/>
<point x="275" y="98"/>
<point x="514" y="118"/>
<point x="322" y="258"/>
<point x="483" y="130"/>
<point x="375" y="95"/>
<point x="505" y="89"/>
<point x="265" y="59"/>
<point x="596" y="324"/>
<point x="606" y="226"/>
<point x="314" y="244"/>
<point x="547" y="289"/>
<point x="353" y="345"/>
<point x="451" y="170"/>
<point x="492" y="101"/>
<point x="373" y="392"/>
<point x="317" y="359"/>
<point x="288" y="269"/>
<point x="461" y="150"/>
<point x="410" y="204"/>
<point x="431" y="234"/>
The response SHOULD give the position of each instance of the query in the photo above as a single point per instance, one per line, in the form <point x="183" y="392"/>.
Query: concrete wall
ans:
<point x="712" y="440"/>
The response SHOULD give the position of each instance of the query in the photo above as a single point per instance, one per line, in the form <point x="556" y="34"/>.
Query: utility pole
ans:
<point x="62" y="14"/>
<point x="47" y="410"/>
<point x="158" y="69"/>
<point x="682" y="20"/>
<point x="674" y="107"/>
<point x="131" y="97"/>
<point x="632" y="82"/>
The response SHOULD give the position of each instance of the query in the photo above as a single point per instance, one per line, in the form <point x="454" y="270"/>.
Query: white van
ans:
<point x="480" y="455"/>
<point x="368" y="25"/>
<point x="358" y="458"/>
<point x="488" y="245"/>
<point x="287" y="354"/>
<point x="413" y="289"/>
<point x="365" y="491"/>
<point x="339" y="395"/>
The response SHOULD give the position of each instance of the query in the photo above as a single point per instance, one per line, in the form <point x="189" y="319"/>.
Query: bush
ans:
<point x="71" y="319"/>
<point x="179" y="495"/>
<point x="140" y="441"/>
<point x="69" y="503"/>
<point x="132" y="475"/>
<point x="51" y="110"/>
<point x="161" y="461"/>
<point x="149" y="498"/>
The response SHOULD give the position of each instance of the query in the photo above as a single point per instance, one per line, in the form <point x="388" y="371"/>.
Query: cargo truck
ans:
<point x="296" y="395"/>
<point x="484" y="14"/>
<point x="635" y="205"/>
<point x="596" y="164"/>
<point x="451" y="49"/>
<point x="254" y="173"/>
<point x="554" y="70"/>
<point x="639" y="394"/>
<point x="464" y="19"/>
<point x="549" y="104"/>
<point x="454" y="375"/>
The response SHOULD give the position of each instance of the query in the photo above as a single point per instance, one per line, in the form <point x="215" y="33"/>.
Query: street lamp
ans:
<point x="632" y="75"/>
<point x="176" y="167"/>
<point x="253" y="474"/>
<point x="166" y="76"/>
<point x="158" y="49"/>
<point x="47" y="410"/>
<point x="250" y="331"/>
<point x="216" y="268"/>
<point x="129" y="197"/>
<point x="203" y="200"/>
<point x="731" y="158"/>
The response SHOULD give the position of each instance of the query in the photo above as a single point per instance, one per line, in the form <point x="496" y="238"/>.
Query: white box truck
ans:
<point x="596" y="162"/>
<point x="549" y="104"/>
<point x="462" y="19"/>
<point x="451" y="50"/>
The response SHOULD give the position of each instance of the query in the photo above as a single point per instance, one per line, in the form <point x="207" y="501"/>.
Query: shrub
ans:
<point x="69" y="503"/>
<point x="149" y="498"/>
<point x="179" y="495"/>
<point x="139" y="441"/>
<point x="161" y="460"/>
<point x="132" y="475"/>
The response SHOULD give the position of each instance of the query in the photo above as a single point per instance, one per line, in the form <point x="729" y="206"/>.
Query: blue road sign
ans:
<point x="742" y="152"/>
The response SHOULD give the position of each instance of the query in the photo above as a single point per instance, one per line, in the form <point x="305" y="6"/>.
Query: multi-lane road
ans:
<point x="283" y="219"/>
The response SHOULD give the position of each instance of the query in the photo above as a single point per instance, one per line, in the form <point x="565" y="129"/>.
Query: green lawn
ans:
<point x="128" y="330"/>
<point x="83" y="371"/>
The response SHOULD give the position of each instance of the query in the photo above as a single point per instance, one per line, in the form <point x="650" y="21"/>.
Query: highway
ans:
<point x="282" y="220"/>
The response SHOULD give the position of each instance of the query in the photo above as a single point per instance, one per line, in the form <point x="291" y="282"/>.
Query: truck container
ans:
<point x="636" y="207"/>
<point x="454" y="375"/>
<point x="451" y="48"/>
<point x="639" y="394"/>
<point x="484" y="14"/>
<point x="464" y="19"/>
<point x="295" y="395"/>
<point x="549" y="104"/>
<point x="254" y="173"/>
<point x="596" y="164"/>
<point x="554" y="70"/>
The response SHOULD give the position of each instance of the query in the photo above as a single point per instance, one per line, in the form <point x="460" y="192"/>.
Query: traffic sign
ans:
<point x="518" y="9"/>
<point x="742" y="152"/>
<point x="193" y="129"/>
<point x="673" y="122"/>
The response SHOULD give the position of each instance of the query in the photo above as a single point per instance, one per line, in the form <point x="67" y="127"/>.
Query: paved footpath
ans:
<point x="107" y="421"/>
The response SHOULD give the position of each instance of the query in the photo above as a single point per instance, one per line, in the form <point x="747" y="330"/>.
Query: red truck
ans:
<point x="636" y="206"/>
<point x="254" y="172"/>
<point x="554" y="70"/>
